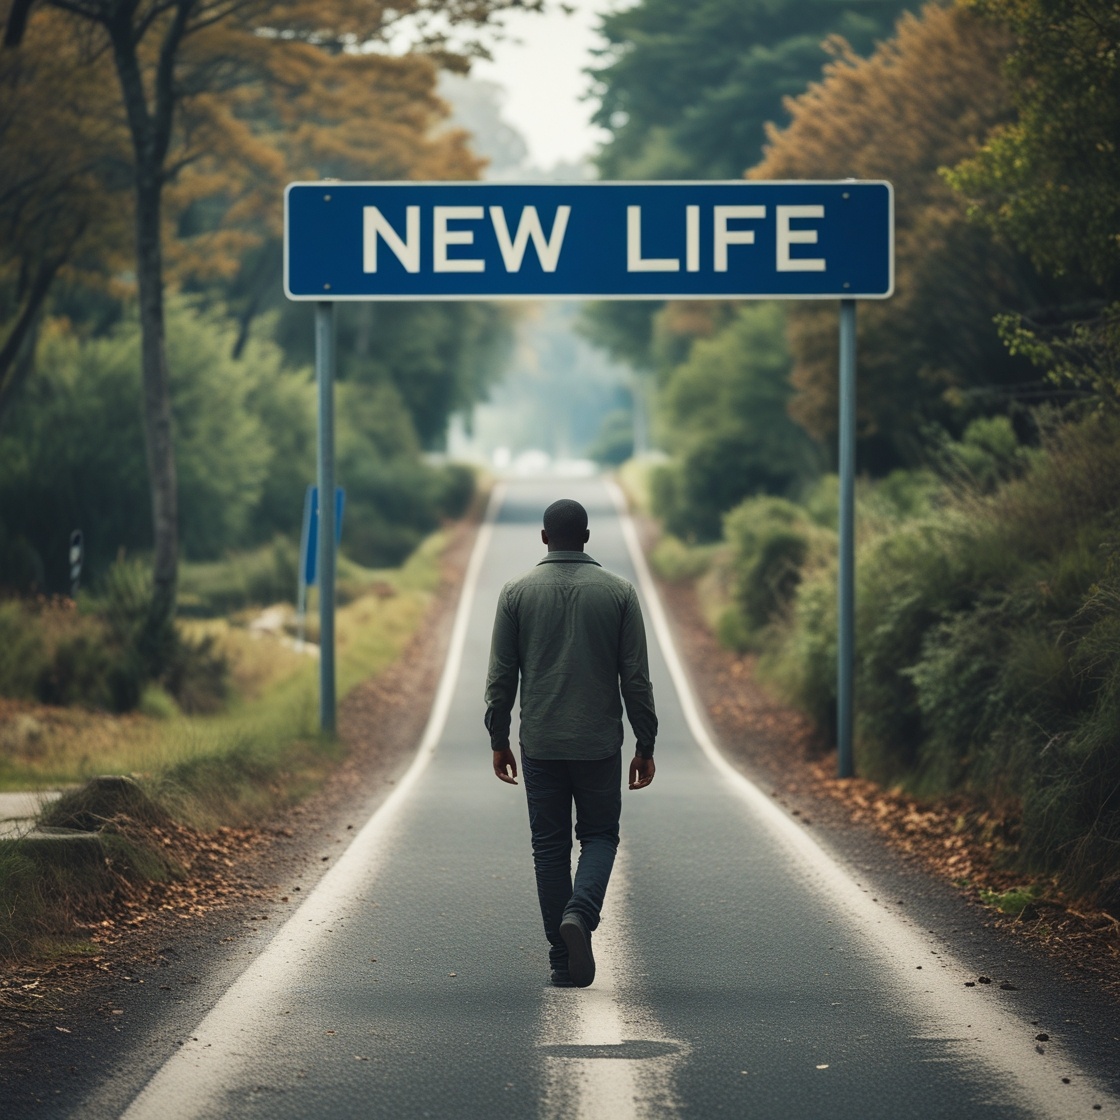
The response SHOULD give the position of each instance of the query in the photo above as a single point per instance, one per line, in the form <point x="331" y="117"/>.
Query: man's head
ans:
<point x="565" y="526"/>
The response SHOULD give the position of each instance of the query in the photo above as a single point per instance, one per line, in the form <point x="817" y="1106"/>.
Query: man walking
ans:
<point x="573" y="632"/>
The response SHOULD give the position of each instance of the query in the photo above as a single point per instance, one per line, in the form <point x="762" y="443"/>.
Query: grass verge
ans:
<point x="191" y="773"/>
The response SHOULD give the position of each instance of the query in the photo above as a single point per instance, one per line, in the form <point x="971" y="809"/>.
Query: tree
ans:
<point x="724" y="414"/>
<point x="686" y="90"/>
<point x="922" y="101"/>
<point x="61" y="188"/>
<point x="179" y="65"/>
<point x="1046" y="182"/>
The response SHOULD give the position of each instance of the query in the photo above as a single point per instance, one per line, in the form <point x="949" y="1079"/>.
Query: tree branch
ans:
<point x="12" y="376"/>
<point x="17" y="22"/>
<point x="164" y="109"/>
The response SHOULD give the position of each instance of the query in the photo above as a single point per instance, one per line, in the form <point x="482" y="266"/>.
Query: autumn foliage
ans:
<point x="923" y="101"/>
<point x="147" y="146"/>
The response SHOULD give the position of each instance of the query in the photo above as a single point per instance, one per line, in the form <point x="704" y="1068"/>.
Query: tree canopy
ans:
<point x="63" y="190"/>
<point x="179" y="123"/>
<point x="686" y="90"/>
<point x="924" y="100"/>
<point x="1046" y="181"/>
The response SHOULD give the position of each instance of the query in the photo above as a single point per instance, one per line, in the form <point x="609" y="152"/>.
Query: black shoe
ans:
<point x="561" y="978"/>
<point x="581" y="964"/>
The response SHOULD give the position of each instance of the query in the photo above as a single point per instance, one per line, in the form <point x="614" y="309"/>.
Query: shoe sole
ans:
<point x="581" y="964"/>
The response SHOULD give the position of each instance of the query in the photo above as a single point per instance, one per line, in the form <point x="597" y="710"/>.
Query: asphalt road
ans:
<point x="742" y="972"/>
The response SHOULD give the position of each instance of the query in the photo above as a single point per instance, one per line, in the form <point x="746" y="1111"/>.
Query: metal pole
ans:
<point x="846" y="592"/>
<point x="324" y="376"/>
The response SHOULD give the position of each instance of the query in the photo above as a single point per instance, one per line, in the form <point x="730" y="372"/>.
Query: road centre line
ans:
<point x="602" y="1087"/>
<point x="190" y="1083"/>
<point x="965" y="1018"/>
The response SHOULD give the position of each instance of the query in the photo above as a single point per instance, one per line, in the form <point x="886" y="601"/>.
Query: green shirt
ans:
<point x="573" y="632"/>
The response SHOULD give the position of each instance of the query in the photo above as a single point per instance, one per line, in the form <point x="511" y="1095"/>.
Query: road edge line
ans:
<point x="165" y="1094"/>
<point x="1007" y="1045"/>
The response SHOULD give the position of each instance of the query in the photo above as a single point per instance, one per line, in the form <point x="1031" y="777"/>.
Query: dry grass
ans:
<point x="199" y="774"/>
<point x="275" y="690"/>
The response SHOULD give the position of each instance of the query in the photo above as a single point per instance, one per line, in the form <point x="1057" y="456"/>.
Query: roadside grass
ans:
<point x="274" y="697"/>
<point x="1015" y="903"/>
<point x="232" y="767"/>
<point x="634" y="476"/>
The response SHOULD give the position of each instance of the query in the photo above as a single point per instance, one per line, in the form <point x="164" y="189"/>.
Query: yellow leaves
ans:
<point x="915" y="105"/>
<point x="265" y="95"/>
<point x="63" y="198"/>
<point x="924" y="100"/>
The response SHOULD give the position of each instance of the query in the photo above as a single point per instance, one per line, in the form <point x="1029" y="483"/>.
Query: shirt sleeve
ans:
<point x="502" y="675"/>
<point x="633" y="677"/>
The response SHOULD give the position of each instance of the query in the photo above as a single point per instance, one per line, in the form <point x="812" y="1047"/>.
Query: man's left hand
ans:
<point x="505" y="766"/>
<point x="641" y="772"/>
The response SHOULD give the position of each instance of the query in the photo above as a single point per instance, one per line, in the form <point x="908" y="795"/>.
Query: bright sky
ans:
<point x="541" y="65"/>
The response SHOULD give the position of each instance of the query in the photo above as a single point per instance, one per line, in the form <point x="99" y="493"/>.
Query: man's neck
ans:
<point x="564" y="547"/>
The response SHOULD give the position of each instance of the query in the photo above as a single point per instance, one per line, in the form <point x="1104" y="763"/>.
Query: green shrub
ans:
<point x="255" y="578"/>
<point x="987" y="454"/>
<point x="801" y="660"/>
<point x="23" y="657"/>
<point x="614" y="443"/>
<point x="457" y="489"/>
<point x="56" y="654"/>
<point x="99" y="656"/>
<point x="725" y="419"/>
<point x="987" y="645"/>
<point x="772" y="541"/>
<point x="677" y="562"/>
<point x="157" y="703"/>
<point x="822" y="502"/>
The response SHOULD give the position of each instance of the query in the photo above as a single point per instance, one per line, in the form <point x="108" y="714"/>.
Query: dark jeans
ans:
<point x="551" y="786"/>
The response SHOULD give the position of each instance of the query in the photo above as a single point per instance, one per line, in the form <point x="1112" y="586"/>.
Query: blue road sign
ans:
<point x="309" y="544"/>
<point x="730" y="240"/>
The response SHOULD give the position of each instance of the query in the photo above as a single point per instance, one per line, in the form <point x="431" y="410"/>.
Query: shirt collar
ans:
<point x="561" y="557"/>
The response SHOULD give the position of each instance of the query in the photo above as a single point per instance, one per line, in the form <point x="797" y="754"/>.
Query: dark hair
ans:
<point x="565" y="522"/>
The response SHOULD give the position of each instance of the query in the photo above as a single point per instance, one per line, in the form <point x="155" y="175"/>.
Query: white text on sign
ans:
<point x="406" y="247"/>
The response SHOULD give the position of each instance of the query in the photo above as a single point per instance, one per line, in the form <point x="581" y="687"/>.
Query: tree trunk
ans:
<point x="13" y="372"/>
<point x="151" y="126"/>
<point x="157" y="405"/>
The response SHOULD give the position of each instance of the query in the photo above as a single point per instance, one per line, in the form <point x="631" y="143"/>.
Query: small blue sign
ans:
<point x="309" y="543"/>
<point x="730" y="240"/>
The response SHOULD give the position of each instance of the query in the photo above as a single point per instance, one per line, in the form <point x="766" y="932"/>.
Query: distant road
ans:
<point x="742" y="973"/>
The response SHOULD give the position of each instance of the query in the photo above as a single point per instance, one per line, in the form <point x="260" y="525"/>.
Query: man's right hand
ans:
<point x="641" y="772"/>
<point x="505" y="766"/>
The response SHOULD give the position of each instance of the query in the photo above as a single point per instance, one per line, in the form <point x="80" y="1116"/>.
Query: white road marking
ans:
<point x="967" y="1018"/>
<point x="605" y="1088"/>
<point x="193" y="1081"/>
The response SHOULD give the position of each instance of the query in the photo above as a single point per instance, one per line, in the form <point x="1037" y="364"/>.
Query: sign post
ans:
<point x="846" y="589"/>
<point x="689" y="240"/>
<point x="324" y="378"/>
